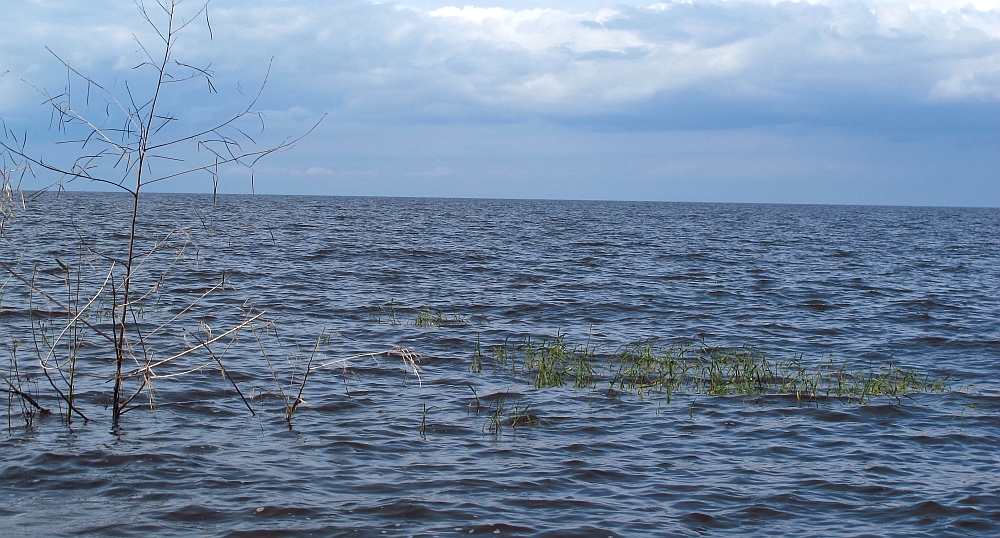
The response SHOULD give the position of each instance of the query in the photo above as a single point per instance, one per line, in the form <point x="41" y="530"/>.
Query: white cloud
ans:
<point x="539" y="29"/>
<point x="979" y="82"/>
<point x="517" y="58"/>
<point x="319" y="171"/>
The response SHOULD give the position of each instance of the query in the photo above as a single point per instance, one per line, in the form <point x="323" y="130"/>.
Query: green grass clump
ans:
<point x="389" y="314"/>
<point x="501" y="413"/>
<point x="429" y="317"/>
<point x="646" y="367"/>
<point x="500" y="357"/>
<point x="554" y="363"/>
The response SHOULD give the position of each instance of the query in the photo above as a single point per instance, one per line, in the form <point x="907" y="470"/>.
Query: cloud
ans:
<point x="806" y="61"/>
<point x="398" y="76"/>
<point x="537" y="30"/>
<point x="319" y="171"/>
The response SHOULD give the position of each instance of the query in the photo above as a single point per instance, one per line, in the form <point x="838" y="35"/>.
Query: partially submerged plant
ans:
<point x="745" y="370"/>
<point x="18" y="387"/>
<point x="477" y="358"/>
<point x="423" y="420"/>
<point x="136" y="144"/>
<point x="291" y="378"/>
<point x="552" y="363"/>
<point x="429" y="317"/>
<point x="500" y="356"/>
<point x="646" y="367"/>
<point x="503" y="414"/>
<point x="387" y="314"/>
<point x="494" y="424"/>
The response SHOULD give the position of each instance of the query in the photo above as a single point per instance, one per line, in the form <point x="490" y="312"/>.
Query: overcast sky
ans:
<point x="872" y="101"/>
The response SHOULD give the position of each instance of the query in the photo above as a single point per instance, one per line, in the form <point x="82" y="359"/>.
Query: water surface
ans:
<point x="863" y="284"/>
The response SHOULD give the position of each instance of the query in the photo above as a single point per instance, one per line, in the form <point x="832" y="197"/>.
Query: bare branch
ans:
<point x="149" y="368"/>
<point x="245" y="112"/>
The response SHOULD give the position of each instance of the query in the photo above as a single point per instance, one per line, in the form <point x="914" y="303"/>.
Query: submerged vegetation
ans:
<point x="425" y="316"/>
<point x="647" y="367"/>
<point x="428" y="317"/>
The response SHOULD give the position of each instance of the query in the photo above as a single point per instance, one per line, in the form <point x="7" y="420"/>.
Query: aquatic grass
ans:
<point x="503" y="414"/>
<point x="548" y="362"/>
<point x="583" y="368"/>
<point x="423" y="420"/>
<point x="425" y="316"/>
<point x="500" y="356"/>
<point x="376" y="313"/>
<point x="494" y="425"/>
<point x="477" y="359"/>
<point x="552" y="363"/>
<point x="747" y="371"/>
<point x="430" y="317"/>
<point x="646" y="367"/>
<point x="475" y="400"/>
<point x="519" y="415"/>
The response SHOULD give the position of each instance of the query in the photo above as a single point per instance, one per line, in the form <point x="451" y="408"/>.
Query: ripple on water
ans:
<point x="375" y="453"/>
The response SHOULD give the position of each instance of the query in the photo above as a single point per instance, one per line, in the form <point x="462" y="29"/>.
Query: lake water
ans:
<point x="375" y="451"/>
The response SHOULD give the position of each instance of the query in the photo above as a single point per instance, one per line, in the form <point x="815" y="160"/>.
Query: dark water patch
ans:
<point x="978" y="525"/>
<point x="116" y="529"/>
<point x="704" y="522"/>
<point x="760" y="512"/>
<point x="281" y="532"/>
<point x="818" y="304"/>
<point x="193" y="513"/>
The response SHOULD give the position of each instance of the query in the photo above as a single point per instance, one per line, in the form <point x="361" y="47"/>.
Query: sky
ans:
<point x="828" y="101"/>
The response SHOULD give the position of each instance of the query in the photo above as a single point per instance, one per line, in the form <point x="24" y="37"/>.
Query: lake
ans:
<point x="466" y="445"/>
